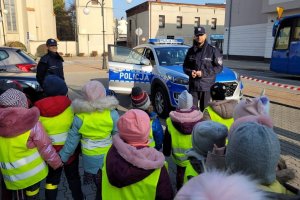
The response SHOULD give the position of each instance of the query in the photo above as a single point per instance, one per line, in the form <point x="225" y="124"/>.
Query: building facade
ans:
<point x="26" y="21"/>
<point x="248" y="26"/>
<point x="90" y="27"/>
<point x="172" y="20"/>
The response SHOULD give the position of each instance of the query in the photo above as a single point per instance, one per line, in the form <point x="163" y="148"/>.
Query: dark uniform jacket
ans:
<point x="51" y="63"/>
<point x="207" y="59"/>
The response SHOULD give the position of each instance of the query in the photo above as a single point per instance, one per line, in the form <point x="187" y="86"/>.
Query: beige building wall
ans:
<point x="248" y="32"/>
<point x="89" y="27"/>
<point x="148" y="20"/>
<point x="35" y="21"/>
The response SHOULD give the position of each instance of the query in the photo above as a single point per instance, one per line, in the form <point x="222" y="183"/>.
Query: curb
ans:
<point x="290" y="87"/>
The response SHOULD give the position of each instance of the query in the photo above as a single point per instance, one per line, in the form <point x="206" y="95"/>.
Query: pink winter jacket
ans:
<point x="17" y="120"/>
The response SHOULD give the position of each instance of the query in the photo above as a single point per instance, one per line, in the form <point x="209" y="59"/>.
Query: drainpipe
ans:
<point x="229" y="28"/>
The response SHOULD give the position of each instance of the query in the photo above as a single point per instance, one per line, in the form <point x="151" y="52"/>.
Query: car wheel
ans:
<point x="161" y="102"/>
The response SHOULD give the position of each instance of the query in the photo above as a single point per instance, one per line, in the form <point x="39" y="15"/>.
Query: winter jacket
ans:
<point x="207" y="59"/>
<point x="51" y="107"/>
<point x="91" y="164"/>
<point x="51" y="63"/>
<point x="17" y="120"/>
<point x="127" y="165"/>
<point x="223" y="108"/>
<point x="183" y="120"/>
<point x="157" y="130"/>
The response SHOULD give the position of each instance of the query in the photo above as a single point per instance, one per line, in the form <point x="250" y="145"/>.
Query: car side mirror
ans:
<point x="145" y="61"/>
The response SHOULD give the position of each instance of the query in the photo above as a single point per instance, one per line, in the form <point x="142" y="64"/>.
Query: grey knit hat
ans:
<point x="204" y="135"/>
<point x="185" y="100"/>
<point x="13" y="98"/>
<point x="253" y="149"/>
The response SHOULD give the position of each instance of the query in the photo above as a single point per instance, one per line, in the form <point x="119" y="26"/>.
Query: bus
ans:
<point x="286" y="48"/>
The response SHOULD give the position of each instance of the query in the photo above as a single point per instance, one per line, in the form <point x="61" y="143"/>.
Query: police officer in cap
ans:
<point x="201" y="64"/>
<point x="51" y="63"/>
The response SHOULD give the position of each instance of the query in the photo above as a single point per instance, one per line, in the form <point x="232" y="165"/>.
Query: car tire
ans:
<point x="161" y="102"/>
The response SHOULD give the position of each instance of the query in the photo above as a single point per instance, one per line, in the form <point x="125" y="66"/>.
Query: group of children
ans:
<point x="124" y="156"/>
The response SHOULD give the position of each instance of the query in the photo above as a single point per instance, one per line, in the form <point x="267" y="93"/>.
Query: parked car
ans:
<point x="157" y="68"/>
<point x="15" y="60"/>
<point x="29" y="86"/>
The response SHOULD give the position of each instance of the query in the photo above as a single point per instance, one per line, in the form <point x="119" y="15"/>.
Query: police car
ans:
<point x="157" y="68"/>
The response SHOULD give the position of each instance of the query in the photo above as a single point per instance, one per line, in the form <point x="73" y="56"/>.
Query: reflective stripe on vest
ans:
<point x="151" y="139"/>
<point x="144" y="189"/>
<point x="217" y="118"/>
<point x="20" y="166"/>
<point x="92" y="144"/>
<point x="59" y="138"/>
<point x="191" y="172"/>
<point x="180" y="144"/>
<point x="96" y="126"/>
<point x="58" y="126"/>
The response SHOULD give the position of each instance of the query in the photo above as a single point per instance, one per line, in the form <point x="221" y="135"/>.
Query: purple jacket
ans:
<point x="122" y="173"/>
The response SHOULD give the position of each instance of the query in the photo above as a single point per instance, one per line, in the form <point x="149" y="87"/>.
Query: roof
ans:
<point x="145" y="6"/>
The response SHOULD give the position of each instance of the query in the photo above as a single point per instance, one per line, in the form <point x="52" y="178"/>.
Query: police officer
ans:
<point x="201" y="64"/>
<point x="51" y="63"/>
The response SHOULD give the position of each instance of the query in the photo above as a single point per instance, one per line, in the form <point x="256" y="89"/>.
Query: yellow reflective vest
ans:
<point x="58" y="126"/>
<point x="96" y="132"/>
<point x="144" y="189"/>
<point x="217" y="118"/>
<point x="180" y="144"/>
<point x="151" y="139"/>
<point x="189" y="172"/>
<point x="21" y="167"/>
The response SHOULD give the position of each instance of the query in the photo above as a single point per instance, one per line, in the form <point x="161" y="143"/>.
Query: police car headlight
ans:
<point x="178" y="80"/>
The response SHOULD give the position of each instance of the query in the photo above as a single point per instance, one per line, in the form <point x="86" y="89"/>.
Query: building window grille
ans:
<point x="11" y="21"/>
<point x="213" y="23"/>
<point x="197" y="22"/>
<point x="179" y="22"/>
<point x="161" y="21"/>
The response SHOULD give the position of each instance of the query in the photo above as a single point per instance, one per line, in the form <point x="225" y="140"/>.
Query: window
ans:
<point x="161" y="21"/>
<point x="197" y="22"/>
<point x="130" y="27"/>
<point x="149" y="55"/>
<point x="296" y="35"/>
<point x="3" y="55"/>
<point x="11" y="21"/>
<point x="213" y="23"/>
<point x="179" y="22"/>
<point x="283" y="38"/>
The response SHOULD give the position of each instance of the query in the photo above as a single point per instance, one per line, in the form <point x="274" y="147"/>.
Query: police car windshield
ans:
<point x="168" y="56"/>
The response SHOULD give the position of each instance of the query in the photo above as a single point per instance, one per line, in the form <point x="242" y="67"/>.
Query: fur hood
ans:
<point x="16" y="120"/>
<point x="82" y="106"/>
<point x="223" y="108"/>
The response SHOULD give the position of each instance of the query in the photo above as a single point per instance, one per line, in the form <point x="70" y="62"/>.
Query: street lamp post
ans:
<point x="86" y="11"/>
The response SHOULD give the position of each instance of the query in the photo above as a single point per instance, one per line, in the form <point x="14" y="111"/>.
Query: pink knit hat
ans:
<point x="134" y="127"/>
<point x="255" y="106"/>
<point x="261" y="119"/>
<point x="13" y="98"/>
<point x="93" y="90"/>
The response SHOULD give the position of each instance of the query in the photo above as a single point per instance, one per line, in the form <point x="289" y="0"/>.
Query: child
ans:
<point x="132" y="169"/>
<point x="24" y="145"/>
<point x="94" y="124"/>
<point x="219" y="110"/>
<point x="205" y="136"/>
<point x="178" y="138"/>
<point x="254" y="150"/>
<point x="216" y="185"/>
<point x="141" y="100"/>
<point x="57" y="117"/>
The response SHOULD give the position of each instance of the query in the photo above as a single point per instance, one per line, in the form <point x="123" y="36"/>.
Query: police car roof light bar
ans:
<point x="165" y="41"/>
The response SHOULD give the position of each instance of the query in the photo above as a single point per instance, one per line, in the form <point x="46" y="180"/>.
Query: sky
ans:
<point x="120" y="6"/>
